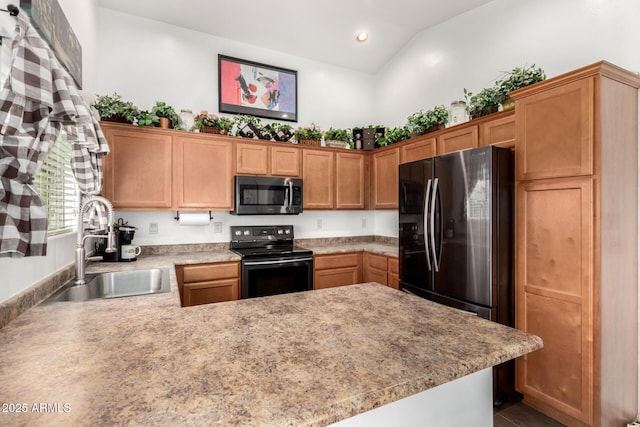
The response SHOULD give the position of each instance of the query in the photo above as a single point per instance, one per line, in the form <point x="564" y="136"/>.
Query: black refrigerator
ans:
<point x="456" y="238"/>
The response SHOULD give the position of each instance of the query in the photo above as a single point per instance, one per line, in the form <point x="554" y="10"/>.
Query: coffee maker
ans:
<point x="126" y="251"/>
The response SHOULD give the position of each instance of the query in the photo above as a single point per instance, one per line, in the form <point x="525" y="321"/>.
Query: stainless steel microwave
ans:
<point x="262" y="195"/>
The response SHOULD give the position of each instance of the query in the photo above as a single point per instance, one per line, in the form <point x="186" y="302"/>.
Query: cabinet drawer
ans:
<point x="323" y="262"/>
<point x="208" y="272"/>
<point x="210" y="292"/>
<point x="335" y="277"/>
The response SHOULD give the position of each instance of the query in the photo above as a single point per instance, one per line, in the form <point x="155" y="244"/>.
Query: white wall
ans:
<point x="19" y="274"/>
<point x="473" y="49"/>
<point x="309" y="224"/>
<point x="147" y="61"/>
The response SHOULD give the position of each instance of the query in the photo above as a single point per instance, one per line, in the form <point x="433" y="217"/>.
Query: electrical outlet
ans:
<point x="319" y="224"/>
<point x="217" y="227"/>
<point x="153" y="228"/>
<point x="364" y="222"/>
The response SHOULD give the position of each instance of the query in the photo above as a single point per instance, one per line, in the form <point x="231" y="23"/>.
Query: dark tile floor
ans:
<point x="519" y="414"/>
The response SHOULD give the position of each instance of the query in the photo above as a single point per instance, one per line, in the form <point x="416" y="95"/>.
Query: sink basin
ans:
<point x="116" y="284"/>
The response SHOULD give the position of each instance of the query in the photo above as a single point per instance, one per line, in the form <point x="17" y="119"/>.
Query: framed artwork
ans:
<point x="246" y="87"/>
<point x="48" y="17"/>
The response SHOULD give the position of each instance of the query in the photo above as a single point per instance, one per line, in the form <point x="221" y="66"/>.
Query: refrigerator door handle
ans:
<point x="426" y="224"/>
<point x="432" y="225"/>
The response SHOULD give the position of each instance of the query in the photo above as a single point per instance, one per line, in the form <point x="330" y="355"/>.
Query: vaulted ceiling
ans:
<point x="322" y="30"/>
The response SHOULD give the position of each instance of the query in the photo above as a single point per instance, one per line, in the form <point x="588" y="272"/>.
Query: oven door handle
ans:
<point x="278" y="262"/>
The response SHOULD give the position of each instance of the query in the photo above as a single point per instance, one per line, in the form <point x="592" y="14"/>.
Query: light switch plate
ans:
<point x="217" y="227"/>
<point x="153" y="228"/>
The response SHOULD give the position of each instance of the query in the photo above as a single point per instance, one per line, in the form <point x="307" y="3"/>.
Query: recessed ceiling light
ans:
<point x="362" y="37"/>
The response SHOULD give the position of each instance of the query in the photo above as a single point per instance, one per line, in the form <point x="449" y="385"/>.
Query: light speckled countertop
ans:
<point x="303" y="359"/>
<point x="333" y="248"/>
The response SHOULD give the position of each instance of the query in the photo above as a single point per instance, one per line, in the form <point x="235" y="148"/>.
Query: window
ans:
<point x="57" y="187"/>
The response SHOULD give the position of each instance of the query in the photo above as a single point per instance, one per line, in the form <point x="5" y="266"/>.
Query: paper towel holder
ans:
<point x="177" y="217"/>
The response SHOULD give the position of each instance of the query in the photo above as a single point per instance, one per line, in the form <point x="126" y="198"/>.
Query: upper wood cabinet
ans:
<point x="252" y="159"/>
<point x="458" y="139"/>
<point x="285" y="161"/>
<point x="577" y="244"/>
<point x="555" y="130"/>
<point x="351" y="181"/>
<point x="203" y="173"/>
<point x="500" y="132"/>
<point x="385" y="179"/>
<point x="421" y="147"/>
<point x="261" y="159"/>
<point x="318" y="175"/>
<point x="138" y="170"/>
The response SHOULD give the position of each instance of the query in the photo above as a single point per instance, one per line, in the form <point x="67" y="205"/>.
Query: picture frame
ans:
<point x="54" y="27"/>
<point x="252" y="88"/>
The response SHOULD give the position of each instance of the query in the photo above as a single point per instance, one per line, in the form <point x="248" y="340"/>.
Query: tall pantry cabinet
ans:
<point x="576" y="244"/>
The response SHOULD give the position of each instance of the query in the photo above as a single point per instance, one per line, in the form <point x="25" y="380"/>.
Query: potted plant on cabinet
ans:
<point x="423" y="121"/>
<point x="168" y="118"/>
<point x="393" y="135"/>
<point x="516" y="79"/>
<point x="337" y="138"/>
<point x="147" y="118"/>
<point x="485" y="102"/>
<point x="309" y="135"/>
<point x="114" y="109"/>
<point x="210" y="123"/>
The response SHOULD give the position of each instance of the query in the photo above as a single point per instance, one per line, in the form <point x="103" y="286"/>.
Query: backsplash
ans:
<point x="307" y="225"/>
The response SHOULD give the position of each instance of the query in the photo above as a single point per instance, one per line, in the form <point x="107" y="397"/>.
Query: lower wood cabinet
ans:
<point x="337" y="270"/>
<point x="375" y="268"/>
<point x="393" y="273"/>
<point x="208" y="283"/>
<point x="354" y="267"/>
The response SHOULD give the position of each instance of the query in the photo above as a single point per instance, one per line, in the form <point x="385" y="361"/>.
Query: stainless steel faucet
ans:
<point x="110" y="236"/>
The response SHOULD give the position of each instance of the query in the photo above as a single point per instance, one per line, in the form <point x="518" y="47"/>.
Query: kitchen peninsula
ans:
<point x="304" y="359"/>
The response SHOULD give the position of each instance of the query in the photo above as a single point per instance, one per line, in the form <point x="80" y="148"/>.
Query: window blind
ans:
<point x="57" y="187"/>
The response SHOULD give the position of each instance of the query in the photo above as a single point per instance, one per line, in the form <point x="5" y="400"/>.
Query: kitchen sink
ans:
<point x="116" y="284"/>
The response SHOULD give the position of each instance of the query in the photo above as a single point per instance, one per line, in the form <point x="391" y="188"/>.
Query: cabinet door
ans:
<point x="285" y="161"/>
<point x="137" y="171"/>
<point x="385" y="179"/>
<point x="555" y="131"/>
<point x="456" y="140"/>
<point x="374" y="268"/>
<point x="318" y="170"/>
<point x="418" y="150"/>
<point x="555" y="293"/>
<point x="210" y="292"/>
<point x="393" y="276"/>
<point x="499" y="132"/>
<point x="350" y="181"/>
<point x="203" y="169"/>
<point x="251" y="159"/>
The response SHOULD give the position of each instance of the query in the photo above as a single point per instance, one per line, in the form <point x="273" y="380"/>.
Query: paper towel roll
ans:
<point x="194" y="218"/>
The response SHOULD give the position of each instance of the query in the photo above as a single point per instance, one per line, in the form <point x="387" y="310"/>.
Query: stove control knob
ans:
<point x="246" y="232"/>
<point x="280" y="231"/>
<point x="238" y="232"/>
<point x="287" y="231"/>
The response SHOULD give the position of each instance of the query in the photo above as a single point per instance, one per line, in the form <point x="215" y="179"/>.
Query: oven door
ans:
<point x="260" y="195"/>
<point x="262" y="277"/>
